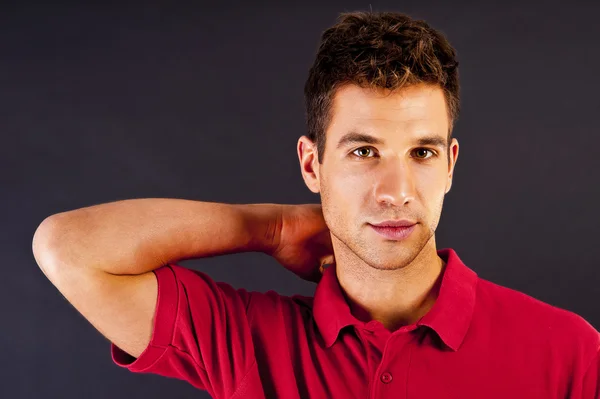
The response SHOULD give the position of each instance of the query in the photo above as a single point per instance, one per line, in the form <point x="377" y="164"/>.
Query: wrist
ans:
<point x="263" y="225"/>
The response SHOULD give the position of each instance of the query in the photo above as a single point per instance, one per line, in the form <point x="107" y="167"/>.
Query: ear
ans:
<point x="453" y="158"/>
<point x="309" y="163"/>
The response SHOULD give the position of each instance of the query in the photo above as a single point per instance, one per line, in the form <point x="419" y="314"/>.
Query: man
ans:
<point x="392" y="317"/>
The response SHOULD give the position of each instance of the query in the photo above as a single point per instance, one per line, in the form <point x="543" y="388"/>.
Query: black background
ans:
<point x="101" y="103"/>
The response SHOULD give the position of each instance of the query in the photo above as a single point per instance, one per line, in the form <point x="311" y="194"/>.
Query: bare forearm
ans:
<point x="138" y="235"/>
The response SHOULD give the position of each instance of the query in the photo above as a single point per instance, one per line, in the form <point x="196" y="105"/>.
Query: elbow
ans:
<point x="44" y="243"/>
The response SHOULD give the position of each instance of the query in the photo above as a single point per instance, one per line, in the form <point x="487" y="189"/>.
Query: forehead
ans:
<point x="406" y="109"/>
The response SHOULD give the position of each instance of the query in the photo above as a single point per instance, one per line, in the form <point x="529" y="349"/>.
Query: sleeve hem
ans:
<point x="162" y="330"/>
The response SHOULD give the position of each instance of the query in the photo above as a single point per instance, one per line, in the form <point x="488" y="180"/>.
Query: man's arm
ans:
<point x="101" y="257"/>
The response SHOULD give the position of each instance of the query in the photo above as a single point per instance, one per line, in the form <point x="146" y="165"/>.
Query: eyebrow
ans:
<point x="359" y="138"/>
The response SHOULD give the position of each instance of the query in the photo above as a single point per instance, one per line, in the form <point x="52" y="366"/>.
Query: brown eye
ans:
<point x="425" y="150"/>
<point x="363" y="152"/>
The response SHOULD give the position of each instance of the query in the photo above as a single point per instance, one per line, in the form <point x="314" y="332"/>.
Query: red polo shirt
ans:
<point x="479" y="340"/>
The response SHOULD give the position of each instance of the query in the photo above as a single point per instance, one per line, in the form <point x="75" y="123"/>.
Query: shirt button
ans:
<point x="386" y="378"/>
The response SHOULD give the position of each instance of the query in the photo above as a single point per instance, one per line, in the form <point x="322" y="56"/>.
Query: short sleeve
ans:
<point x="591" y="379"/>
<point x="201" y="333"/>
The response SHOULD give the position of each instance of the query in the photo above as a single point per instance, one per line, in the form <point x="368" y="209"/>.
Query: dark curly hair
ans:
<point x="384" y="50"/>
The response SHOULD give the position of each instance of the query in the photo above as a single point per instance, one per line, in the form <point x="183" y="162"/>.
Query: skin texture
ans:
<point x="393" y="282"/>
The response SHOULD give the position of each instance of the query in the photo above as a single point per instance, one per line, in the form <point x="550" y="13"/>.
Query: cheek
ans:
<point x="348" y="203"/>
<point x="350" y="190"/>
<point x="341" y="195"/>
<point x="434" y="205"/>
<point x="430" y="183"/>
<point x="355" y="178"/>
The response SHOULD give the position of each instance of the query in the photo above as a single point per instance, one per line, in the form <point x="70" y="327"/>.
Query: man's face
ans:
<point x="366" y="181"/>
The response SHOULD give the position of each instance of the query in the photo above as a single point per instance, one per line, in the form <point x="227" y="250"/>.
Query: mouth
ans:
<point x="396" y="233"/>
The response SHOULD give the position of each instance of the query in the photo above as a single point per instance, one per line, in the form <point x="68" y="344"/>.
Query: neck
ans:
<point x="393" y="297"/>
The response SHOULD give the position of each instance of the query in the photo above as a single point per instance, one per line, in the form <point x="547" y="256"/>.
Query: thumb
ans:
<point x="326" y="260"/>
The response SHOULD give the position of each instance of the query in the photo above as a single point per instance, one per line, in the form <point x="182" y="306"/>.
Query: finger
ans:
<point x="327" y="260"/>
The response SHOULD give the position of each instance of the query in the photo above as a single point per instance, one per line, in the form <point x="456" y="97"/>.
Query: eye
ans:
<point x="433" y="154"/>
<point x="364" y="151"/>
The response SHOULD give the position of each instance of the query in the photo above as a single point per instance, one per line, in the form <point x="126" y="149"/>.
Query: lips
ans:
<point x="395" y="233"/>
<point x="395" y="223"/>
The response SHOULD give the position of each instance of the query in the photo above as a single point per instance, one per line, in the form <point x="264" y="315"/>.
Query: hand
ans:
<point x="304" y="242"/>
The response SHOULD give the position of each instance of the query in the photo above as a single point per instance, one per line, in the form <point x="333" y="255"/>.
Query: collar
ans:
<point x="449" y="317"/>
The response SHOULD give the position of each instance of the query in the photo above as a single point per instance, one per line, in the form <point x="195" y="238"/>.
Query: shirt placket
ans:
<point x="390" y="355"/>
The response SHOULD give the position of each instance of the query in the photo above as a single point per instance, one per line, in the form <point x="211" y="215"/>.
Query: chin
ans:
<point x="395" y="258"/>
<point x="387" y="266"/>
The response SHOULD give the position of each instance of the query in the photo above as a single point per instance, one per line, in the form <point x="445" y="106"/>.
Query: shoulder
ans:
<point x="272" y="306"/>
<point x="266" y="307"/>
<point x="295" y="303"/>
<point x="548" y="323"/>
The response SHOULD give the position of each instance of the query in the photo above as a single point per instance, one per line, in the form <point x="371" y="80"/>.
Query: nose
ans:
<point x="395" y="185"/>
